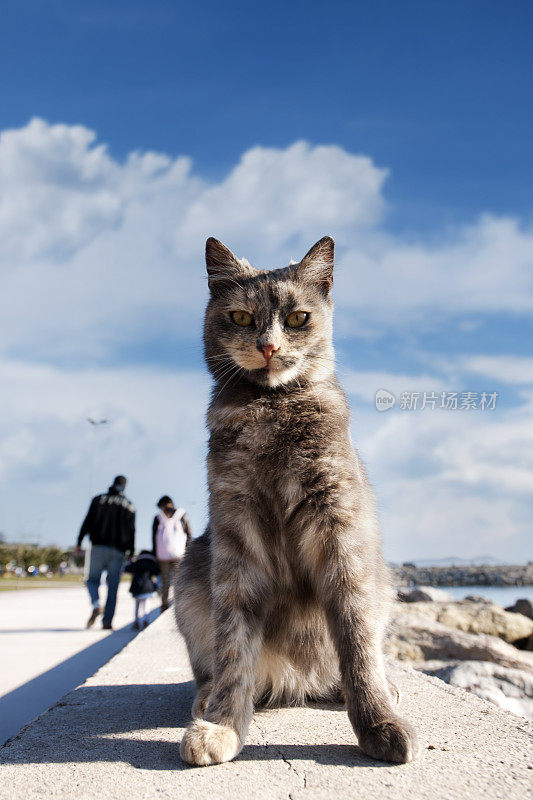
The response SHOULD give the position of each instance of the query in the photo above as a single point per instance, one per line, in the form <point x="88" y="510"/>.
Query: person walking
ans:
<point x="142" y="586"/>
<point x="110" y="525"/>
<point x="171" y="533"/>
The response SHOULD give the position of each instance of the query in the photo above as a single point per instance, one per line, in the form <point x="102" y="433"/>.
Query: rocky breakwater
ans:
<point x="484" y="575"/>
<point x="474" y="644"/>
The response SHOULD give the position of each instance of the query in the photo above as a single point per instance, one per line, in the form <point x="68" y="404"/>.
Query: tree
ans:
<point x="5" y="556"/>
<point x="28" y="555"/>
<point x="53" y="556"/>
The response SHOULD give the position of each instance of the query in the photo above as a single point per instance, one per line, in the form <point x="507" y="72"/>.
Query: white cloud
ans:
<point x="98" y="255"/>
<point x="508" y="369"/>
<point x="58" y="190"/>
<point x="278" y="199"/>
<point x="448" y="482"/>
<point x="95" y="253"/>
<point x="482" y="268"/>
<point x="365" y="383"/>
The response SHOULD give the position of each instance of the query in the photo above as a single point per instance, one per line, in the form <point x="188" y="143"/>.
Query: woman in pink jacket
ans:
<point x="171" y="533"/>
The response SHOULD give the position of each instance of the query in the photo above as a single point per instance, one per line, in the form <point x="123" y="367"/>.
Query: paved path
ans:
<point x="46" y="650"/>
<point x="118" y="736"/>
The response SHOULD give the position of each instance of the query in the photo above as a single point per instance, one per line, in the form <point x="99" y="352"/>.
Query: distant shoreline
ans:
<point x="482" y="575"/>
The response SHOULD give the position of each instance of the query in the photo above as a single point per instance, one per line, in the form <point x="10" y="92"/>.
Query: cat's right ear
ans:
<point x="222" y="266"/>
<point x="317" y="265"/>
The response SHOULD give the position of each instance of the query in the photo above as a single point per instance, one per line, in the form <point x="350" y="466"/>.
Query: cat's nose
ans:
<point x="268" y="350"/>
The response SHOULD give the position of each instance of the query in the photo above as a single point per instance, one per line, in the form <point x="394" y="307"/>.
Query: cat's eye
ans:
<point x="242" y="318"/>
<point x="296" y="319"/>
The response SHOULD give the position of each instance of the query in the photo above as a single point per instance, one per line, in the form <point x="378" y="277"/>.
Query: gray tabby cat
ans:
<point x="285" y="597"/>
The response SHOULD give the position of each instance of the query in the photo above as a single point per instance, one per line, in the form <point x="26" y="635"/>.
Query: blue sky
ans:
<point x="437" y="91"/>
<point x="130" y="131"/>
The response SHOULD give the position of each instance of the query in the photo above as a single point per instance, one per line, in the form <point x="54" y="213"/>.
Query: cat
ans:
<point x="285" y="596"/>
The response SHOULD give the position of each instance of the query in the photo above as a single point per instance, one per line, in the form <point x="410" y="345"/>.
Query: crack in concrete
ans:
<point x="292" y="768"/>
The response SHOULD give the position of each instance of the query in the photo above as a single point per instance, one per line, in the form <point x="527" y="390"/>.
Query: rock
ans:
<point x="469" y="644"/>
<point x="524" y="644"/>
<point x="522" y="606"/>
<point x="506" y="687"/>
<point x="413" y="596"/>
<point x="423" y="594"/>
<point x="476" y="598"/>
<point x="416" y="635"/>
<point x="473" y="617"/>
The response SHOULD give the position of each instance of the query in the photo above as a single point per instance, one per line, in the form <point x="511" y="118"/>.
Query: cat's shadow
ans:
<point x="103" y="722"/>
<point x="326" y="754"/>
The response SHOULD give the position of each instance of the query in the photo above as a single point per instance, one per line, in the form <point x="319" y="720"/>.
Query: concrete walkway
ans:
<point x="46" y="650"/>
<point x="118" y="735"/>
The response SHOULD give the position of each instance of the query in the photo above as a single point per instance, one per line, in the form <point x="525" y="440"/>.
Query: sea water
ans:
<point x="502" y="595"/>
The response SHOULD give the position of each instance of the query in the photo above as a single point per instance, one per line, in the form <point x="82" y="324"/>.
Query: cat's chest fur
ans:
<point x="267" y="456"/>
<point x="269" y="433"/>
<point x="276" y="444"/>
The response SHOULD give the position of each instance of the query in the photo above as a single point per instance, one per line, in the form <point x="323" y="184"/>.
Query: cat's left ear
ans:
<point x="317" y="265"/>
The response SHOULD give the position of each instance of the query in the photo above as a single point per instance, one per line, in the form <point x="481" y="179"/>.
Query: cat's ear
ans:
<point x="222" y="266"/>
<point x="317" y="265"/>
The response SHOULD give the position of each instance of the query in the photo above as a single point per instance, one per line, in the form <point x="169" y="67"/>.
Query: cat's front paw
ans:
<point x="390" y="740"/>
<point x="207" y="743"/>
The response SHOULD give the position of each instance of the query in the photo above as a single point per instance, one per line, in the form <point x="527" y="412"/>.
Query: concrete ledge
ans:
<point x="117" y="735"/>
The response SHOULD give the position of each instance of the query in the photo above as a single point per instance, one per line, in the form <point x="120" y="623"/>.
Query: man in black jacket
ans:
<point x="110" y="524"/>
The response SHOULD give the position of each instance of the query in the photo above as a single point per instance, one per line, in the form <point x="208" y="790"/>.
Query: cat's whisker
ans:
<point x="338" y="365"/>
<point x="222" y="365"/>
<point x="218" y="357"/>
<point x="226" y="371"/>
<point x="220" y="378"/>
<point x="234" y="375"/>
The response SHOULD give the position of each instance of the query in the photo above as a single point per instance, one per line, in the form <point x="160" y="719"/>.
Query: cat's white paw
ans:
<point x="207" y="743"/>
